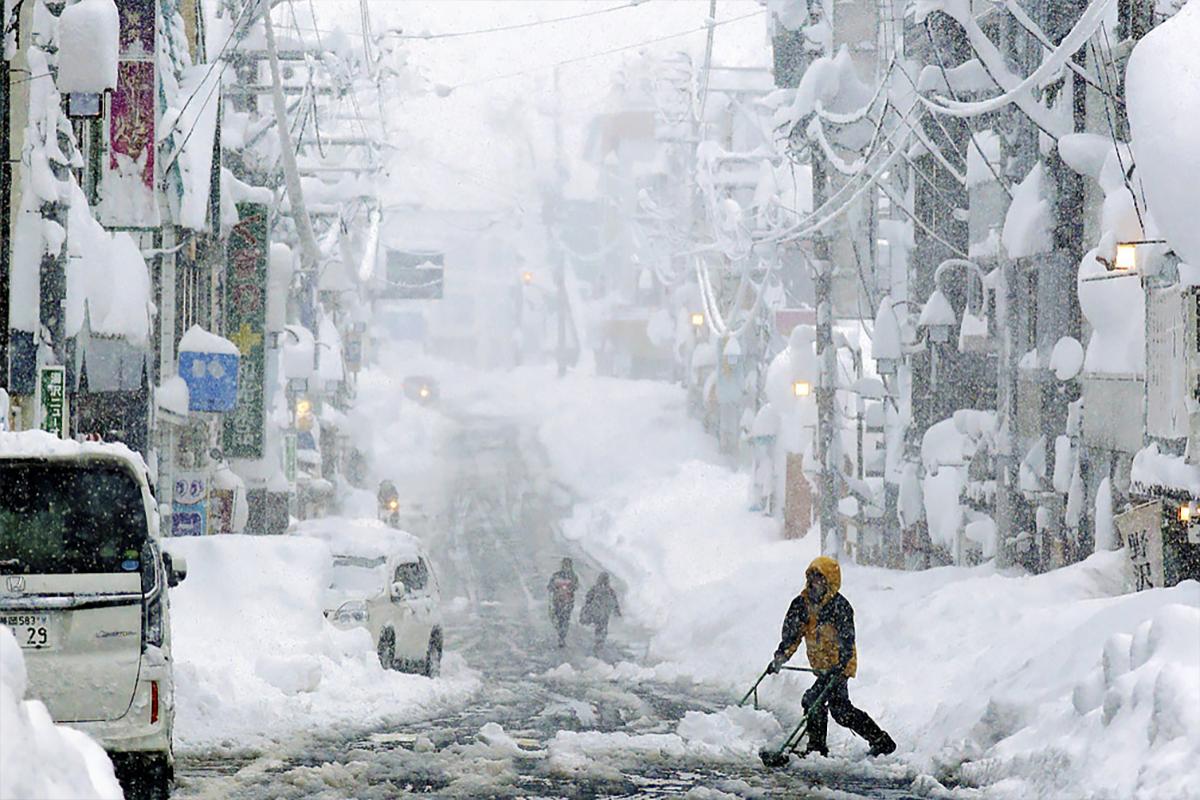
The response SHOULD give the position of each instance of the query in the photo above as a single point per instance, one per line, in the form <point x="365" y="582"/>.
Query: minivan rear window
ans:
<point x="59" y="518"/>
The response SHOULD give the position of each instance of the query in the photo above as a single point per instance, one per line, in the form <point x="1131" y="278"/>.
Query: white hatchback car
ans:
<point x="83" y="586"/>
<point x="388" y="587"/>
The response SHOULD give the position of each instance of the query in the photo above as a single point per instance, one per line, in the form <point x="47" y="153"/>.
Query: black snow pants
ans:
<point x="844" y="713"/>
<point x="561" y="612"/>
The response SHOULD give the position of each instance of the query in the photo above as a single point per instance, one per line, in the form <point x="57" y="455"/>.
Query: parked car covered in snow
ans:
<point x="386" y="584"/>
<point x="83" y="586"/>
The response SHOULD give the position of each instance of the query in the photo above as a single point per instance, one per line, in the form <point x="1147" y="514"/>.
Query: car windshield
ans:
<point x="58" y="518"/>
<point x="414" y="575"/>
<point x="356" y="575"/>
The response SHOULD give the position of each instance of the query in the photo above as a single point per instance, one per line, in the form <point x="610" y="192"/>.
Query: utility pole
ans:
<point x="52" y="274"/>
<point x="553" y="219"/>
<point x="828" y="439"/>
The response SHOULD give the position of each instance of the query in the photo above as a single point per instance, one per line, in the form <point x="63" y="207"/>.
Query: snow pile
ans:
<point x="1027" y="225"/>
<point x="37" y="757"/>
<point x="256" y="661"/>
<point x="732" y="734"/>
<point x="974" y="671"/>
<point x="198" y="340"/>
<point x="1162" y="84"/>
<point x="88" y="42"/>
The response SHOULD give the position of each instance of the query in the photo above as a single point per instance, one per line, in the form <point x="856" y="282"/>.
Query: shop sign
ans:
<point x="189" y="506"/>
<point x="51" y="400"/>
<point x="246" y="327"/>
<point x="289" y="457"/>
<point x="1141" y="535"/>
<point x="212" y="380"/>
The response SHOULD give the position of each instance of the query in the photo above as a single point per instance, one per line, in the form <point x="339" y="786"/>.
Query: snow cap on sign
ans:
<point x="88" y="43"/>
<point x="198" y="340"/>
<point x="1163" y="98"/>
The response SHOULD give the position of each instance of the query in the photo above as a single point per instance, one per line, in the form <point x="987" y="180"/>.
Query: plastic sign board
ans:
<point x="189" y="506"/>
<point x="246" y="327"/>
<point x="51" y="400"/>
<point x="212" y="380"/>
<point x="1141" y="535"/>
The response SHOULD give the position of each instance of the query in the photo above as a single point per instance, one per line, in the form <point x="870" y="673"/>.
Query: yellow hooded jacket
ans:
<point x="826" y="626"/>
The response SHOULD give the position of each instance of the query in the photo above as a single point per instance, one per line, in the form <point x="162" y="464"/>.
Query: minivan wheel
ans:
<point x="387" y="649"/>
<point x="144" y="777"/>
<point x="433" y="656"/>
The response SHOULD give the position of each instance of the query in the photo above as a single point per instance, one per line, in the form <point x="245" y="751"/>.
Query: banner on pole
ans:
<point x="246" y="327"/>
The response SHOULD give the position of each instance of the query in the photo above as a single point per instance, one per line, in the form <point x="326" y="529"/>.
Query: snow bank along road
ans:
<point x="544" y="722"/>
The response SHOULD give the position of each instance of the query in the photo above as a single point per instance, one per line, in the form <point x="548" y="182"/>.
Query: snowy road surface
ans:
<point x="546" y="723"/>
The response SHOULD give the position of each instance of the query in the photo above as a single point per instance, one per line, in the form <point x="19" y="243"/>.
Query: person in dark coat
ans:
<point x="598" y="606"/>
<point x="561" y="588"/>
<point x="824" y="620"/>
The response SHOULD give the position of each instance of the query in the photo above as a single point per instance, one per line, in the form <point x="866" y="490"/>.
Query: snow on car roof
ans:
<point x="40" y="444"/>
<point x="367" y="538"/>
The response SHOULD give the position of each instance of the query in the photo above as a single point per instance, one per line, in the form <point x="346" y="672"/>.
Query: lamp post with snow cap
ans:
<point x="937" y="318"/>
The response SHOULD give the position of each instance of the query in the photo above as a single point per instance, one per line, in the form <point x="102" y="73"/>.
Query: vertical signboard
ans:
<point x="127" y="182"/>
<point x="51" y="400"/>
<point x="1141" y="534"/>
<point x="189" y="507"/>
<point x="245" y="326"/>
<point x="289" y="457"/>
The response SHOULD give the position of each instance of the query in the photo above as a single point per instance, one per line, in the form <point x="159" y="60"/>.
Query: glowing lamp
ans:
<point x="1187" y="513"/>
<point x="801" y="388"/>
<point x="424" y="392"/>
<point x="697" y="319"/>
<point x="1126" y="257"/>
<point x="527" y="277"/>
<point x="393" y="505"/>
<point x="303" y="407"/>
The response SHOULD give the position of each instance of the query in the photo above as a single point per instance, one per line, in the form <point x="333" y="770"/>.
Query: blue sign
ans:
<point x="212" y="380"/>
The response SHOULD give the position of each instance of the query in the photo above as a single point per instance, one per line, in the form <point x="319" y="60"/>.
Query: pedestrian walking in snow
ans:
<point x="824" y="619"/>
<point x="562" y="588"/>
<point x="600" y="604"/>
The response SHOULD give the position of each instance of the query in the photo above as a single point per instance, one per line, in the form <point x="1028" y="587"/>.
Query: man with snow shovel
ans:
<point x="824" y="619"/>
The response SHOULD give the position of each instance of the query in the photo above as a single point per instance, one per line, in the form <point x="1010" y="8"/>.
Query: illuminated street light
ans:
<point x="303" y="407"/>
<point x="1126" y="257"/>
<point x="697" y="319"/>
<point x="801" y="388"/>
<point x="527" y="277"/>
<point x="424" y="392"/>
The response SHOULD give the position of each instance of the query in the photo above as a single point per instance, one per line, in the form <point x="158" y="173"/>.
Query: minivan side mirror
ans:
<point x="176" y="567"/>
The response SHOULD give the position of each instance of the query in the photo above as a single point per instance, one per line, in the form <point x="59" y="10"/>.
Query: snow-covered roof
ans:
<point x="40" y="444"/>
<point x="1152" y="469"/>
<point x="368" y="538"/>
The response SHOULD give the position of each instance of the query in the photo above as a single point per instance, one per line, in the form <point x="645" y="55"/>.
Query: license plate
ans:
<point x="33" y="631"/>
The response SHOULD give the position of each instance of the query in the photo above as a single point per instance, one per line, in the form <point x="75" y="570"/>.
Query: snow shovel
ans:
<point x="753" y="691"/>
<point x="776" y="758"/>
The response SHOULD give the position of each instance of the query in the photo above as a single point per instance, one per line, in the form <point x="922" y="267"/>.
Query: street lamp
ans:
<point x="937" y="317"/>
<point x="526" y="277"/>
<point x="801" y="388"/>
<point x="1126" y="260"/>
<point x="697" y="319"/>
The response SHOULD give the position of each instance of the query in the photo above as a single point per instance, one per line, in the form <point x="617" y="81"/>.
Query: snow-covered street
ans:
<point x="540" y="721"/>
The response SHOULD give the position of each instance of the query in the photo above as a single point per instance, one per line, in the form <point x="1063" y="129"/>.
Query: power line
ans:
<point x="396" y="34"/>
<point x="603" y="53"/>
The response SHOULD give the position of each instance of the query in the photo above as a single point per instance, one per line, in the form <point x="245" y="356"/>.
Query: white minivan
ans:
<point x="385" y="583"/>
<point x="83" y="586"/>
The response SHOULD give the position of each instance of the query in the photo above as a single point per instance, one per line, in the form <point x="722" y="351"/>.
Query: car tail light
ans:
<point x="153" y="702"/>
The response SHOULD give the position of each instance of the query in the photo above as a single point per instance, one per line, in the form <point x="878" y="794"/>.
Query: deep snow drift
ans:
<point x="30" y="742"/>
<point x="256" y="662"/>
<point x="1062" y="684"/>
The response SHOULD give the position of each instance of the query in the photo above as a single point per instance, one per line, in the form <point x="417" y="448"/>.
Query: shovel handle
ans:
<point x="754" y="690"/>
